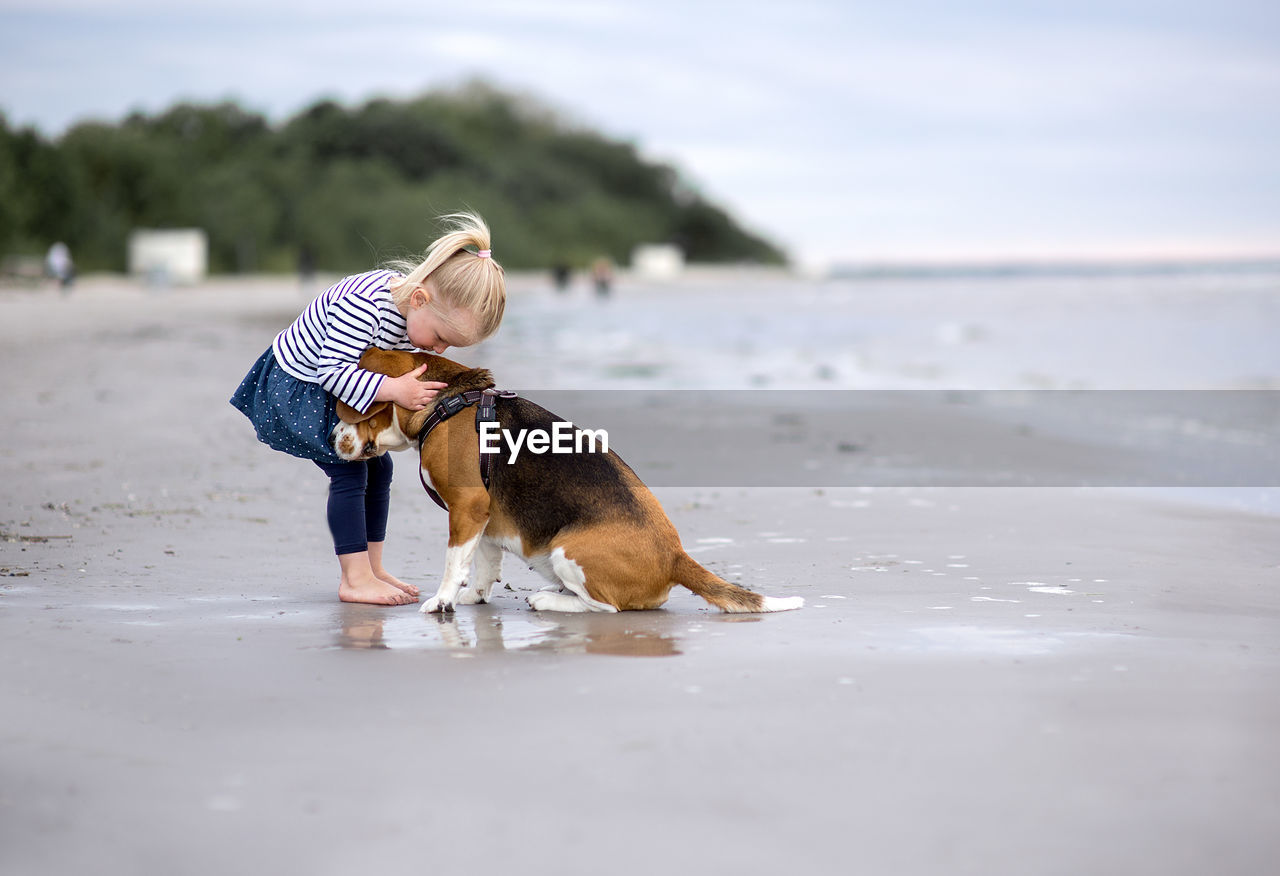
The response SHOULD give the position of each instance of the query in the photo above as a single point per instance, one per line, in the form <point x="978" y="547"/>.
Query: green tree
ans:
<point x="355" y="185"/>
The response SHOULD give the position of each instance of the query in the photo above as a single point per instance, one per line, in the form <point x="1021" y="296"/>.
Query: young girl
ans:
<point x="453" y="298"/>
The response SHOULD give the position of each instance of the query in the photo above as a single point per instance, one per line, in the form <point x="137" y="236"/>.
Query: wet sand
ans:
<point x="990" y="680"/>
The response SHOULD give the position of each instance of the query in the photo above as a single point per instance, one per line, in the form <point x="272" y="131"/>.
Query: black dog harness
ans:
<point x="446" y="408"/>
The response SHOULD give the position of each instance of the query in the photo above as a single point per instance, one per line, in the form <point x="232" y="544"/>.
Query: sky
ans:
<point x="851" y="133"/>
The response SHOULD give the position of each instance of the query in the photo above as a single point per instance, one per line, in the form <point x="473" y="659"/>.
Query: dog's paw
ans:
<point x="544" y="600"/>
<point x="435" y="606"/>
<point x="470" y="597"/>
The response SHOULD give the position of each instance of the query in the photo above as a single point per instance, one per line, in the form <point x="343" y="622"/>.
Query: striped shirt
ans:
<point x="325" y="343"/>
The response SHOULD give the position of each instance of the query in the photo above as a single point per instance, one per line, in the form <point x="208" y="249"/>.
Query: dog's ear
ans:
<point x="348" y="414"/>
<point x="393" y="363"/>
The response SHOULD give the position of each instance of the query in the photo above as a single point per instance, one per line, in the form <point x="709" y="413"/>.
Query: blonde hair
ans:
<point x="463" y="280"/>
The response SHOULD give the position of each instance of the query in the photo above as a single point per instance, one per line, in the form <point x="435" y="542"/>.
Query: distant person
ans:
<point x="59" y="266"/>
<point x="560" y="276"/>
<point x="454" y="298"/>
<point x="306" y="267"/>
<point x="602" y="276"/>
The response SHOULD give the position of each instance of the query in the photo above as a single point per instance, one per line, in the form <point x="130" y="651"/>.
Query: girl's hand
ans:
<point x="408" y="391"/>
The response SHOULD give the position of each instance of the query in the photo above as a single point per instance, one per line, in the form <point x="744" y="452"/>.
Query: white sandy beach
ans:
<point x="985" y="679"/>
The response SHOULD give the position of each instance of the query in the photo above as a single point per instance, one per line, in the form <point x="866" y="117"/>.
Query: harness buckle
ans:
<point x="450" y="406"/>
<point x="488" y="407"/>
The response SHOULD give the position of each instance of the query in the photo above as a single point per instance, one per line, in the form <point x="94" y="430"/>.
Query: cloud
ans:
<point x="926" y="124"/>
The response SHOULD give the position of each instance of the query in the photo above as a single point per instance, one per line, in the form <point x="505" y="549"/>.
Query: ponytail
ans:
<point x="464" y="273"/>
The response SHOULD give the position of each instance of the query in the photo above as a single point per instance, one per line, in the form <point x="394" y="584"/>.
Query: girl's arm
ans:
<point x="352" y="326"/>
<point x="350" y="329"/>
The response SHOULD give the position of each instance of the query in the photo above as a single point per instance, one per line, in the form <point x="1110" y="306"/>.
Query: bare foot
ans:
<point x="357" y="588"/>
<point x="387" y="578"/>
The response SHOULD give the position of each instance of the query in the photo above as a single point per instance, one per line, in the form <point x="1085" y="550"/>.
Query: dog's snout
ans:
<point x="344" y="443"/>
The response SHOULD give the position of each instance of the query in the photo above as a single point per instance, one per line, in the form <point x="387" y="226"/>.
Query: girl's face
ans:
<point x="432" y="330"/>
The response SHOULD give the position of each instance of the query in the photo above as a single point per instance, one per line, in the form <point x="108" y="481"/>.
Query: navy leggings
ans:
<point x="359" y="500"/>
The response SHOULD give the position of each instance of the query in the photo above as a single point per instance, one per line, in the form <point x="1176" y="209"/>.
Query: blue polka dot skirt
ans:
<point x="288" y="414"/>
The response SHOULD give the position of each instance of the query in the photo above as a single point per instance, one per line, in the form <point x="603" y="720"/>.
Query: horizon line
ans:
<point x="1061" y="264"/>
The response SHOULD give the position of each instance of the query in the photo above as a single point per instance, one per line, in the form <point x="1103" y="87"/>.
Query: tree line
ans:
<point x="354" y="186"/>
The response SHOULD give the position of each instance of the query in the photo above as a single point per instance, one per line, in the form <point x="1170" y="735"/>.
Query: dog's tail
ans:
<point x="723" y="595"/>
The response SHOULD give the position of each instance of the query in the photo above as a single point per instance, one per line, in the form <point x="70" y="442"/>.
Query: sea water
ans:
<point x="1174" y="329"/>
<point x="743" y="330"/>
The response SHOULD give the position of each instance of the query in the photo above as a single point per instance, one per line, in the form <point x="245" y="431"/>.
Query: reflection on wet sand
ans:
<point x="360" y="633"/>
<point x="489" y="628"/>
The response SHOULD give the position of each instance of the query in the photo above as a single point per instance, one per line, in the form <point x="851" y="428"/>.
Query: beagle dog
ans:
<point x="584" y="520"/>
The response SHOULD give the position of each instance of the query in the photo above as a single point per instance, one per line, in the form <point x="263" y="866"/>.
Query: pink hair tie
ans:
<point x="485" y="253"/>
